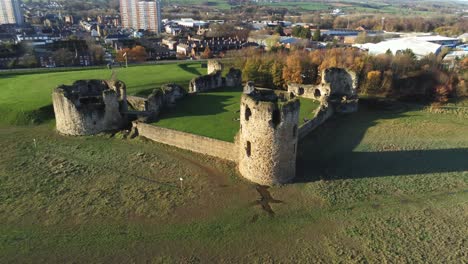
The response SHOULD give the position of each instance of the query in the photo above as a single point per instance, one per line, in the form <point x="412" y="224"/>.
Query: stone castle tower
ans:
<point x="268" y="136"/>
<point x="88" y="107"/>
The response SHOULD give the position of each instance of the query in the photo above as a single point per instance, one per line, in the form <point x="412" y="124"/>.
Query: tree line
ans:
<point x="401" y="76"/>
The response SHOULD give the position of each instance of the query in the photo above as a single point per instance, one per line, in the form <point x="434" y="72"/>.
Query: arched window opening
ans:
<point x="317" y="93"/>
<point x="276" y="118"/>
<point x="248" y="113"/>
<point x="248" y="149"/>
<point x="301" y="91"/>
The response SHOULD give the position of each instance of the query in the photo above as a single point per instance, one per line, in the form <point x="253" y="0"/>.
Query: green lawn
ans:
<point x="221" y="4"/>
<point x="215" y="114"/>
<point x="371" y="186"/>
<point x="26" y="97"/>
<point x="379" y="185"/>
<point x="309" y="6"/>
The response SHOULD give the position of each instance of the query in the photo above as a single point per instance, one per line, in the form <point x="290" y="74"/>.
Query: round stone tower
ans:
<point x="268" y="136"/>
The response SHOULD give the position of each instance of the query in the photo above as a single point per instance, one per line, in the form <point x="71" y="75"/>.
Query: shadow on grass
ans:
<point x="35" y="117"/>
<point x="198" y="105"/>
<point x="327" y="153"/>
<point x="142" y="90"/>
<point x="147" y="89"/>
<point x="187" y="68"/>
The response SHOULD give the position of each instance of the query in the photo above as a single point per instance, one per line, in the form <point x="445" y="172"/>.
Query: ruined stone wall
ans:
<point x="206" y="82"/>
<point x="338" y="86"/>
<point x="233" y="78"/>
<point x="208" y="146"/>
<point x="167" y="95"/>
<point x="88" y="107"/>
<point x="267" y="140"/>
<point x="137" y="103"/>
<point x="172" y="92"/>
<point x="310" y="91"/>
<point x="342" y="81"/>
<point x="214" y="66"/>
<point x="321" y="115"/>
<point x="121" y="90"/>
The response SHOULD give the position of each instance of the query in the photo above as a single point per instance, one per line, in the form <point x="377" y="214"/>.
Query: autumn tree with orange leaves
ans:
<point x="135" y="54"/>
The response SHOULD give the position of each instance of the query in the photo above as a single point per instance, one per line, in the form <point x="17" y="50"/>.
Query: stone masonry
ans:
<point x="165" y="96"/>
<point x="214" y="79"/>
<point x="338" y="86"/>
<point x="265" y="147"/>
<point x="267" y="139"/>
<point x="214" y="66"/>
<point x="89" y="107"/>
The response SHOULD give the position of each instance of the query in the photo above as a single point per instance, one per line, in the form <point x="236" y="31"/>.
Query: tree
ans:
<point x="292" y="71"/>
<point x="272" y="41"/>
<point x="277" y="74"/>
<point x="28" y="60"/>
<point x="97" y="52"/>
<point x="250" y="70"/>
<point x="63" y="57"/>
<point x="317" y="35"/>
<point x="138" y="54"/>
<point x="207" y="53"/>
<point x="361" y="38"/>
<point x="301" y="32"/>
<point x="264" y="77"/>
<point x="279" y="30"/>
<point x="407" y="52"/>
<point x="372" y="82"/>
<point x="441" y="93"/>
<point x="120" y="54"/>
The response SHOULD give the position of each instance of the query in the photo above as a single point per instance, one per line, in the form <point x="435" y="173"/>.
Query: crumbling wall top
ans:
<point x="269" y="95"/>
<point x="214" y="66"/>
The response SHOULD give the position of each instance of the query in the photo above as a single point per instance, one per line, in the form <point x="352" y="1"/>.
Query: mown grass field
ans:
<point x="218" y="111"/>
<point x="299" y="5"/>
<point x="220" y="4"/>
<point x="379" y="185"/>
<point x="25" y="97"/>
<point x="223" y="4"/>
<point x="348" y="6"/>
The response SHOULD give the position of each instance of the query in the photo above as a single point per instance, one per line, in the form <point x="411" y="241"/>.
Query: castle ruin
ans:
<point x="268" y="136"/>
<point x="214" y="79"/>
<point x="214" y="66"/>
<point x="149" y="108"/>
<point x="265" y="147"/>
<point x="338" y="86"/>
<point x="88" y="107"/>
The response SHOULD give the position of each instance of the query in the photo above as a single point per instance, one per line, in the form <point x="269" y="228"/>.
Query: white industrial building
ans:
<point x="189" y="22"/>
<point x="419" y="47"/>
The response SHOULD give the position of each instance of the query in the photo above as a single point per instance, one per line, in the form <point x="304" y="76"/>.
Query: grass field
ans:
<point x="218" y="111"/>
<point x="220" y="4"/>
<point x="300" y="5"/>
<point x="373" y="186"/>
<point x="348" y="6"/>
<point x="26" y="97"/>
<point x="223" y="4"/>
<point x="379" y="185"/>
